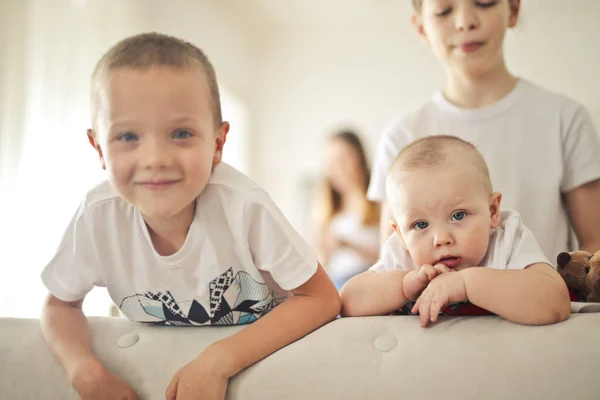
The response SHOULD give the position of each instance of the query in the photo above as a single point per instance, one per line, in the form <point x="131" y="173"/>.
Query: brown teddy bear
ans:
<point x="581" y="272"/>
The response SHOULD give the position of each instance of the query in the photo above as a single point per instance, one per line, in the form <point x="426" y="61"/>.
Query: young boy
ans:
<point x="175" y="235"/>
<point x="541" y="147"/>
<point x="447" y="220"/>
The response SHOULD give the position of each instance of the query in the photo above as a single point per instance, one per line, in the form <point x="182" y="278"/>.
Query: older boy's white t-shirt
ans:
<point x="538" y="145"/>
<point x="511" y="246"/>
<point x="241" y="257"/>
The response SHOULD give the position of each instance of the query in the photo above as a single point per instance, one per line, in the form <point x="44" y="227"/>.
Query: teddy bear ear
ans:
<point x="563" y="258"/>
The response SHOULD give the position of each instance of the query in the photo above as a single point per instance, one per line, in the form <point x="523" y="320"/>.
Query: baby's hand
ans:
<point x="98" y="383"/>
<point x="416" y="281"/>
<point x="448" y="288"/>
<point x="203" y="378"/>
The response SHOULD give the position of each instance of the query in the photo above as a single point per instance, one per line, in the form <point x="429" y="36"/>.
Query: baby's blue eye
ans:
<point x="459" y="215"/>
<point x="421" y="225"/>
<point x="181" y="134"/>
<point x="127" y="137"/>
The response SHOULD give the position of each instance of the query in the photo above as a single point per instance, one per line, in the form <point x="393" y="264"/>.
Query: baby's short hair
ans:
<point x="433" y="150"/>
<point x="147" y="50"/>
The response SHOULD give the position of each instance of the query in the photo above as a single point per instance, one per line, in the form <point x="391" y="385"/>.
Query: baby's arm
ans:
<point x="373" y="293"/>
<point x="66" y="331"/>
<point x="536" y="295"/>
<point x="314" y="304"/>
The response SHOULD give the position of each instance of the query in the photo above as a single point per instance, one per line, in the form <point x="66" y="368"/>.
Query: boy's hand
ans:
<point x="204" y="378"/>
<point x="98" y="383"/>
<point x="416" y="281"/>
<point x="448" y="288"/>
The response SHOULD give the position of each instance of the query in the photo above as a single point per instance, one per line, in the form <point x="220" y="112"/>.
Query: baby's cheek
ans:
<point x="479" y="248"/>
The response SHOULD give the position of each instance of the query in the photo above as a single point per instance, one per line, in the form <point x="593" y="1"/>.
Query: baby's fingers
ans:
<point x="428" y="271"/>
<point x="422" y="307"/>
<point x="436" y="306"/>
<point x="442" y="268"/>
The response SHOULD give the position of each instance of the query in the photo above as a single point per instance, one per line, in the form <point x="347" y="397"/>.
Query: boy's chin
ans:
<point x="165" y="213"/>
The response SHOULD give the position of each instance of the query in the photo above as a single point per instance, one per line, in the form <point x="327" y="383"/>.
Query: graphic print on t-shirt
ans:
<point x="234" y="300"/>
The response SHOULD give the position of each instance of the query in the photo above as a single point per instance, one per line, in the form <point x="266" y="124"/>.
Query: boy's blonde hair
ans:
<point x="148" y="50"/>
<point x="431" y="151"/>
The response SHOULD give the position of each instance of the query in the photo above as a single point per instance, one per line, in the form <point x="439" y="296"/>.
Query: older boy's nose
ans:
<point x="465" y="16"/>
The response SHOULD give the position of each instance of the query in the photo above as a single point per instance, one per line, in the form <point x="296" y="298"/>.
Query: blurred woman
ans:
<point x="348" y="223"/>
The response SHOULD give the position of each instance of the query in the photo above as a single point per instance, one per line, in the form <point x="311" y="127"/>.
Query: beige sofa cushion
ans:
<point x="354" y="358"/>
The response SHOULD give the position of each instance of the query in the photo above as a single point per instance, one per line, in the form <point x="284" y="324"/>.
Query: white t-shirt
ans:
<point x="346" y="262"/>
<point x="537" y="144"/>
<point x="240" y="259"/>
<point x="511" y="246"/>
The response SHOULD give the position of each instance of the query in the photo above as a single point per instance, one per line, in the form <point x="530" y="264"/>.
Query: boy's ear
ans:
<point x="397" y="230"/>
<point x="92" y="139"/>
<point x="514" y="8"/>
<point x="417" y="22"/>
<point x="220" y="142"/>
<point x="495" y="200"/>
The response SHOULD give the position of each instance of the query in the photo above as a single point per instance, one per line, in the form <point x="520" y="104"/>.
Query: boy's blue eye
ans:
<point x="459" y="215"/>
<point x="127" y="137"/>
<point x="181" y="134"/>
<point x="420" y="225"/>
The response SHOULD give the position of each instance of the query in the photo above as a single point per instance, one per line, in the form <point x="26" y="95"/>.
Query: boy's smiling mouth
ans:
<point x="157" y="184"/>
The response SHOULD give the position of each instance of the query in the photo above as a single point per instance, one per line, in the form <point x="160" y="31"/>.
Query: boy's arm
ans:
<point x="314" y="304"/>
<point x="584" y="212"/>
<point x="536" y="295"/>
<point x="66" y="331"/>
<point x="372" y="293"/>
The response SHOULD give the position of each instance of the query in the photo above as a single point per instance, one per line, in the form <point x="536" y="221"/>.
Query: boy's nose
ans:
<point x="465" y="16"/>
<point x="154" y="155"/>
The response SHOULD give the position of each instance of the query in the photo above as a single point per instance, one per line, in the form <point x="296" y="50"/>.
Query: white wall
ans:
<point x="49" y="55"/>
<point x="315" y="78"/>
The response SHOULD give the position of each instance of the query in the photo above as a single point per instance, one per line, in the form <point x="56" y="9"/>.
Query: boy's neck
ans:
<point x="466" y="91"/>
<point x="169" y="235"/>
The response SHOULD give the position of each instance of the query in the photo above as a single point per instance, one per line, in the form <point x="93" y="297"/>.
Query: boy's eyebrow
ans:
<point x="178" y="119"/>
<point x="185" y="118"/>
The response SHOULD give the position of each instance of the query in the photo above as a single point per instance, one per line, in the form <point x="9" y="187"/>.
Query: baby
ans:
<point x="447" y="221"/>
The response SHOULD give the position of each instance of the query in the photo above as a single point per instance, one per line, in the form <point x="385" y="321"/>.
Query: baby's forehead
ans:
<point x="443" y="187"/>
